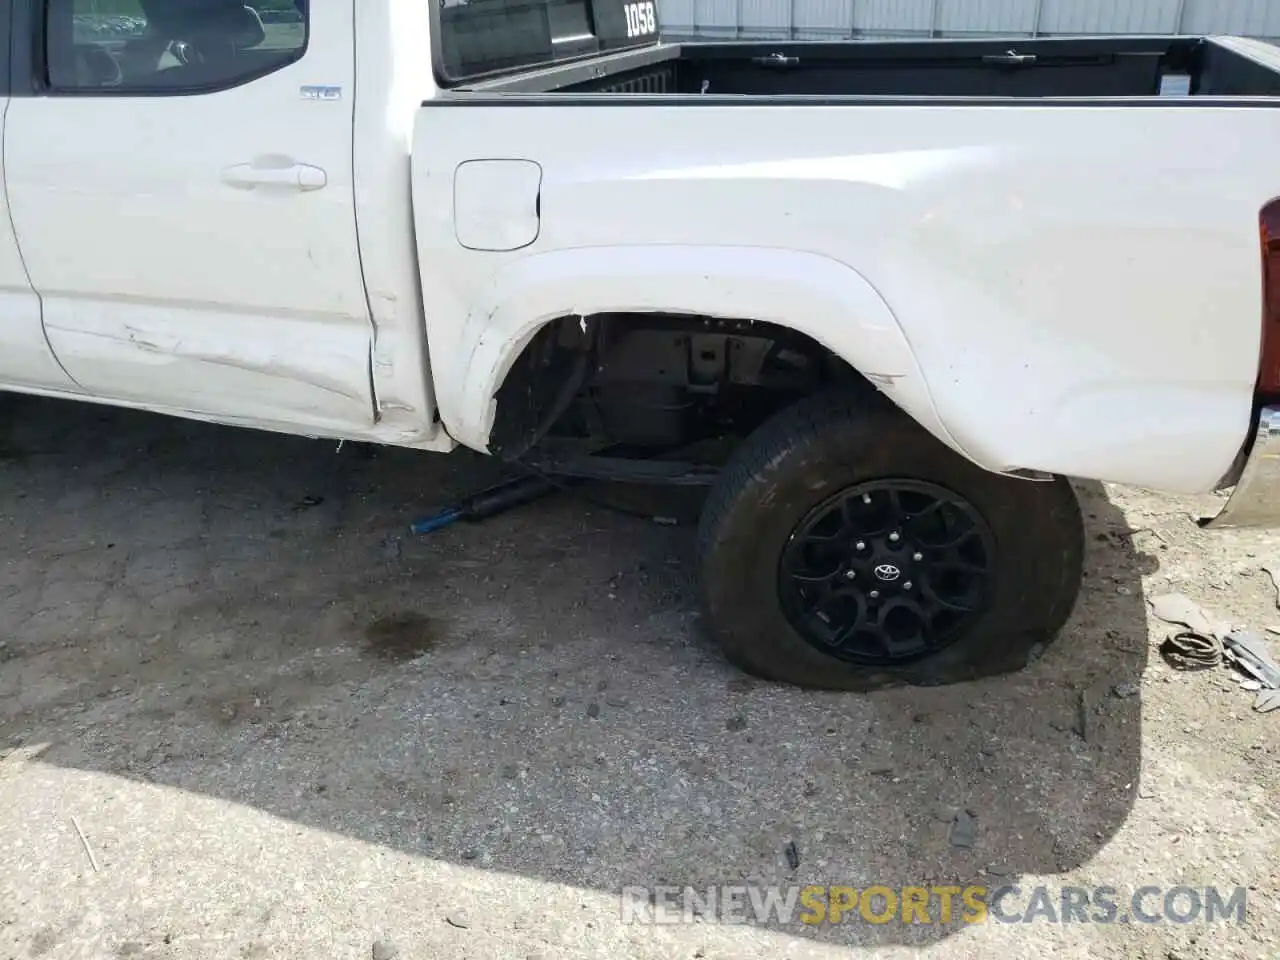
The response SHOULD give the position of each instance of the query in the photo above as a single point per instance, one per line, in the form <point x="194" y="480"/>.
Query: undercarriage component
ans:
<point x="678" y="473"/>
<point x="656" y="381"/>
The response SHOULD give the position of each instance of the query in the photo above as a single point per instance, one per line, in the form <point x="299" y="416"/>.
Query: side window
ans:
<point x="169" y="46"/>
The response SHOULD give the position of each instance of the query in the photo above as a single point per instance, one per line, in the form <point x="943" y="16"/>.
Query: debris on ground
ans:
<point x="945" y="812"/>
<point x="385" y="950"/>
<point x="1209" y="642"/>
<point x="1125" y="690"/>
<point x="1081" y="724"/>
<point x="1192" y="650"/>
<point x="1272" y="570"/>
<point x="1267" y="701"/>
<point x="459" y="919"/>
<point x="1249" y="652"/>
<point x="793" y="855"/>
<point x="84" y="842"/>
<point x="963" y="830"/>
<point x="1181" y="610"/>
<point x="392" y="548"/>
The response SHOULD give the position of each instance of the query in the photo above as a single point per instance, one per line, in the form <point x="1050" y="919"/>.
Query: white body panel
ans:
<point x="1060" y="287"/>
<point x="394" y="78"/>
<point x="25" y="357"/>
<point x="177" y="277"/>
<point x="167" y="277"/>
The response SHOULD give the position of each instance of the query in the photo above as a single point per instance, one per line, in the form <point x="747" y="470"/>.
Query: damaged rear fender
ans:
<point x="812" y="294"/>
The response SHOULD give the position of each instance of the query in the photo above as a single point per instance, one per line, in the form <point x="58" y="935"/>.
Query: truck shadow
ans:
<point x="245" y="616"/>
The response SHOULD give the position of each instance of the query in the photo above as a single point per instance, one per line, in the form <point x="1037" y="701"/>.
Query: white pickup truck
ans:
<point x="908" y="286"/>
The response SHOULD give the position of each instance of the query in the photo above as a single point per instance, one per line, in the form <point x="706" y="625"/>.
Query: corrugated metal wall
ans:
<point x="842" y="19"/>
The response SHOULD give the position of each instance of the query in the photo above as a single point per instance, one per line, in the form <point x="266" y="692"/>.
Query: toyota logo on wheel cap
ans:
<point x="887" y="572"/>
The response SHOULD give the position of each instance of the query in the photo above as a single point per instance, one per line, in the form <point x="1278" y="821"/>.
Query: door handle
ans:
<point x="776" y="60"/>
<point x="299" y="176"/>
<point x="1010" y="59"/>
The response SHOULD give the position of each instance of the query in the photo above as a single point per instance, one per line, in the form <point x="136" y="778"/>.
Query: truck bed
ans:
<point x="1049" y="250"/>
<point x="1105" y="67"/>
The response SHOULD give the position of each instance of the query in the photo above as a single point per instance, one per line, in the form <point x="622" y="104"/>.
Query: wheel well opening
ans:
<point x="659" y="381"/>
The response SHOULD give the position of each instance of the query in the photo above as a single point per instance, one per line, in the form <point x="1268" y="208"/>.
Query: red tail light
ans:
<point x="1269" y="367"/>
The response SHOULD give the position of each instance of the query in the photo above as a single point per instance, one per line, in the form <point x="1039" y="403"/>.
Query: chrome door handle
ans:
<point x="1010" y="59"/>
<point x="299" y="176"/>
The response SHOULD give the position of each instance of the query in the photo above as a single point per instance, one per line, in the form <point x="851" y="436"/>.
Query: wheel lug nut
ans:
<point x="860" y="545"/>
<point x="895" y="537"/>
<point x="851" y="575"/>
<point x="866" y="498"/>
<point x="875" y="594"/>
<point x="917" y="556"/>
<point x="907" y="585"/>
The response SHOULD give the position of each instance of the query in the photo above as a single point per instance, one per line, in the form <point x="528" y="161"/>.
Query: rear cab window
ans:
<point x="478" y="38"/>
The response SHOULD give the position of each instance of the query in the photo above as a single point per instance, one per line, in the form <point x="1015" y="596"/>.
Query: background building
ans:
<point x="844" y="19"/>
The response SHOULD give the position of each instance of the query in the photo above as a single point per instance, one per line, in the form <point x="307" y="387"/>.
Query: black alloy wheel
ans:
<point x="887" y="571"/>
<point x="845" y="547"/>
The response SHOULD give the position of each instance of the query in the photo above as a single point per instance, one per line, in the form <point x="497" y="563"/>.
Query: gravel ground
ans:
<point x="286" y="728"/>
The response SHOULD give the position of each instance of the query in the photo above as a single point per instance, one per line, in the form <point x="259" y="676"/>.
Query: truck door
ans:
<point x="25" y="358"/>
<point x="181" y="189"/>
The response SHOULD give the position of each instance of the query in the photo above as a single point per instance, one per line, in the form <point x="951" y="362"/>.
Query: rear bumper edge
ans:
<point x="1255" y="502"/>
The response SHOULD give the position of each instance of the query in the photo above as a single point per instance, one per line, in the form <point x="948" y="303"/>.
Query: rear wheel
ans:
<point x="847" y="548"/>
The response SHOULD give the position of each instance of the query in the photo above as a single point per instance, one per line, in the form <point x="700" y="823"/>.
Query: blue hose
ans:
<point x="487" y="503"/>
<point x="431" y="524"/>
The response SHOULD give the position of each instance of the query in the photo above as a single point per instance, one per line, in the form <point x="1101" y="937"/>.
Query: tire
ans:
<point x="1028" y="537"/>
